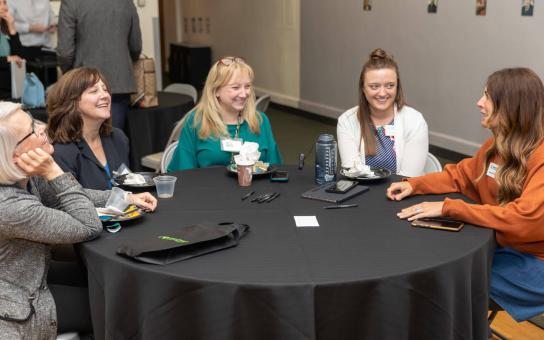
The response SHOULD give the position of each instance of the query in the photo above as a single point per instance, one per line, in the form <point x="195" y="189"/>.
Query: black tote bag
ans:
<point x="187" y="242"/>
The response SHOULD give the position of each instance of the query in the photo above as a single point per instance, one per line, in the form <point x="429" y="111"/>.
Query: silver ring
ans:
<point x="418" y="210"/>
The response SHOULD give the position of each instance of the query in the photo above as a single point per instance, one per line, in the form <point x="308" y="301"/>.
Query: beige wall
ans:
<point x="146" y="13"/>
<point x="444" y="58"/>
<point x="265" y="33"/>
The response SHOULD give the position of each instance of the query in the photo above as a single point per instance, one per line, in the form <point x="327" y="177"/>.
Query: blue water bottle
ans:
<point x="325" y="159"/>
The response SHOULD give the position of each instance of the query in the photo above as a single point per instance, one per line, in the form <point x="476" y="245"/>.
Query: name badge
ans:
<point x="389" y="130"/>
<point x="492" y="169"/>
<point x="231" y="144"/>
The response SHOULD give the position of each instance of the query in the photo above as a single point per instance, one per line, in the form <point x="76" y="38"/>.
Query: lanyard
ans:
<point x="108" y="172"/>
<point x="238" y="123"/>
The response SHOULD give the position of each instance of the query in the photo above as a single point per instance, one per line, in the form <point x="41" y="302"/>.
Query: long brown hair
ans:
<point x="4" y="27"/>
<point x="517" y="123"/>
<point x="378" y="59"/>
<point x="65" y="124"/>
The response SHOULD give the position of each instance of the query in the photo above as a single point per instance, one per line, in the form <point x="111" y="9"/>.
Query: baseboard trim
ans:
<point x="452" y="143"/>
<point x="277" y="97"/>
<point x="446" y="153"/>
<point x="435" y="148"/>
<point x="320" y="109"/>
<point x="304" y="114"/>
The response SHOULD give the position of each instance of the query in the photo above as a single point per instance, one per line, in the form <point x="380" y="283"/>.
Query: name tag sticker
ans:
<point x="389" y="130"/>
<point x="231" y="144"/>
<point x="492" y="169"/>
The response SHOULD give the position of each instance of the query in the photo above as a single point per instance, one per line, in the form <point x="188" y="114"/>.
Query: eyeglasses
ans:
<point x="33" y="132"/>
<point x="227" y="61"/>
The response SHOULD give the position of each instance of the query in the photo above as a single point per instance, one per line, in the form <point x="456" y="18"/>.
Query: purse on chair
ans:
<point x="33" y="92"/>
<point x="146" y="83"/>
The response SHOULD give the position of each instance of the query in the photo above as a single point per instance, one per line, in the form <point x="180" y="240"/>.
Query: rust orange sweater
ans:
<point x="519" y="224"/>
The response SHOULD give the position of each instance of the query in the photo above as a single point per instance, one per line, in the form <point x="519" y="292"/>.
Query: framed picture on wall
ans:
<point x="481" y="6"/>
<point x="527" y="7"/>
<point x="432" y="6"/>
<point x="367" y="5"/>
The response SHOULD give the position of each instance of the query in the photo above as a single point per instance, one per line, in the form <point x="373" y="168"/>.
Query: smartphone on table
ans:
<point x="342" y="186"/>
<point x="438" y="223"/>
<point x="279" y="176"/>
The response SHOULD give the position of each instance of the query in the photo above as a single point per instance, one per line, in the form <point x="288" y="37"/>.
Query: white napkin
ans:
<point x="249" y="154"/>
<point x="359" y="169"/>
<point x="133" y="178"/>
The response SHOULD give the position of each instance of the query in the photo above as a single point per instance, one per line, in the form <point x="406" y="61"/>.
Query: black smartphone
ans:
<point x="342" y="186"/>
<point x="279" y="176"/>
<point x="438" y="223"/>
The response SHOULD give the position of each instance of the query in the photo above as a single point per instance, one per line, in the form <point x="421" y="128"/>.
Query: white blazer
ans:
<point x="411" y="140"/>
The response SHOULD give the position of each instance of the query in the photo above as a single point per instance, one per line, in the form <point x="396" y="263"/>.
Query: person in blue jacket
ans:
<point x="224" y="117"/>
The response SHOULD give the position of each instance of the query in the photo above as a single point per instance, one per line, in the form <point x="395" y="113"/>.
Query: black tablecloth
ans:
<point x="363" y="274"/>
<point x="147" y="129"/>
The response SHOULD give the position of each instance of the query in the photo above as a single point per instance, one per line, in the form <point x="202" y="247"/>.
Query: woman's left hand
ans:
<point x="421" y="210"/>
<point x="10" y="22"/>
<point x="144" y="200"/>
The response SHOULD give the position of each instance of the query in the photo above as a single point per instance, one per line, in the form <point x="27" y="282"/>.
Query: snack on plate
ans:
<point x="260" y="167"/>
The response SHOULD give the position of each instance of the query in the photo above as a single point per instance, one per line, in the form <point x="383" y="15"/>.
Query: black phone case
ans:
<point x="332" y="188"/>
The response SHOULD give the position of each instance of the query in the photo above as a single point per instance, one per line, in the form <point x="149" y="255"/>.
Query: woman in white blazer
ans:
<point x="382" y="131"/>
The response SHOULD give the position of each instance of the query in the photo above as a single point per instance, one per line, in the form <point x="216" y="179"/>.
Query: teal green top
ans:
<point x="5" y="49"/>
<point x="193" y="152"/>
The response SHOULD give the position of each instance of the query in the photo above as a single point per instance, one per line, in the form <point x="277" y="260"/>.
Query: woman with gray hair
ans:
<point x="40" y="206"/>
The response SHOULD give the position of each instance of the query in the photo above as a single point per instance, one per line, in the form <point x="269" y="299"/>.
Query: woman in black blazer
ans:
<point x="10" y="47"/>
<point x="79" y="125"/>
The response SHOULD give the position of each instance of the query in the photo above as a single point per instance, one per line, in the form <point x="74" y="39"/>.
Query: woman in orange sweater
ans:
<point x="506" y="179"/>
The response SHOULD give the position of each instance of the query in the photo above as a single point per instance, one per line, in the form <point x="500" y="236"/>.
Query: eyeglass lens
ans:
<point x="30" y="134"/>
<point x="227" y="61"/>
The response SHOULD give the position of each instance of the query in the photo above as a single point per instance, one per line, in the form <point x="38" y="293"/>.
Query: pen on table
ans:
<point x="258" y="197"/>
<point x="273" y="197"/>
<point x="247" y="195"/>
<point x="340" y="206"/>
<point x="265" y="197"/>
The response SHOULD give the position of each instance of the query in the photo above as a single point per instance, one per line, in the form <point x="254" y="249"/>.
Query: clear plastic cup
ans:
<point x="117" y="201"/>
<point x="165" y="186"/>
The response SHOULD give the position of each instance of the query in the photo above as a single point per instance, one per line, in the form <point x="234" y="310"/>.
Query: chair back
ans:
<point x="262" y="103"/>
<point x="167" y="156"/>
<point x="174" y="135"/>
<point x="186" y="89"/>
<point x="432" y="164"/>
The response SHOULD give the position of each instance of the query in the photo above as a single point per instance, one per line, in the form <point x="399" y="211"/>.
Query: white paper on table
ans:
<point x="306" y="221"/>
<point x="17" y="79"/>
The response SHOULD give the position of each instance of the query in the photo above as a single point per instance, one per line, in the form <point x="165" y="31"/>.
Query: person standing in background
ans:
<point x="105" y="35"/>
<point x="10" y="47"/>
<point x="36" y="22"/>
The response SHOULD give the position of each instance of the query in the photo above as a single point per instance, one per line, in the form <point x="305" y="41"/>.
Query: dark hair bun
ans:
<point x="379" y="54"/>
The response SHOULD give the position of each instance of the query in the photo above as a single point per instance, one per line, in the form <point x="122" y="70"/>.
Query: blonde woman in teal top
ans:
<point x="226" y="112"/>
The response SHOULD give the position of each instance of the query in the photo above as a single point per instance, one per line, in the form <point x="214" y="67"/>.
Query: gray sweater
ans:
<point x="55" y="212"/>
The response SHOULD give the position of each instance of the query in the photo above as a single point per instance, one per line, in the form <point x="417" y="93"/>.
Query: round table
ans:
<point x="362" y="274"/>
